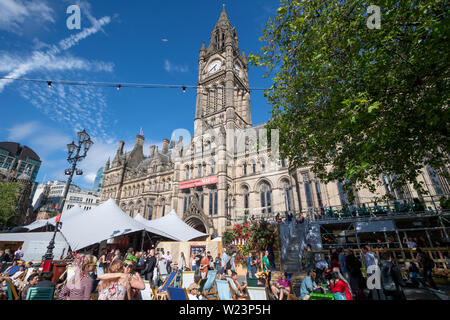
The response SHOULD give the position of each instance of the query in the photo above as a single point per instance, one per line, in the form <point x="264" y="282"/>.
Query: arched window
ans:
<point x="163" y="207"/>
<point x="244" y="168"/>
<point x="132" y="210"/>
<point x="164" y="185"/>
<point x="150" y="211"/>
<point x="287" y="195"/>
<point x="307" y="183"/>
<point x="213" y="201"/>
<point x="283" y="163"/>
<point x="266" y="197"/>
<point x="245" y="196"/>
<point x="263" y="165"/>
<point x="253" y="166"/>
<point x="212" y="166"/>
<point x="187" y="172"/>
<point x="199" y="170"/>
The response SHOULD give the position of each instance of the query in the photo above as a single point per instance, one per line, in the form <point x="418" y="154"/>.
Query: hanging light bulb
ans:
<point x="49" y="83"/>
<point x="118" y="87"/>
<point x="184" y="89"/>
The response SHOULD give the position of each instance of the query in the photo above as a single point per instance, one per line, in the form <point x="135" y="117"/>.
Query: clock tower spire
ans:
<point x="223" y="97"/>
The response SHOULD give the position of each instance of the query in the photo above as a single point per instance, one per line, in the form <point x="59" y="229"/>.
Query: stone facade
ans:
<point x="224" y="170"/>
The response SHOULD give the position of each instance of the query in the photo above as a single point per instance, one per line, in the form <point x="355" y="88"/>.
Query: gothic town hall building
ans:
<point x="207" y="182"/>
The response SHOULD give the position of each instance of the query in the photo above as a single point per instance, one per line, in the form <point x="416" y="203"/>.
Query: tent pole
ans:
<point x="142" y="239"/>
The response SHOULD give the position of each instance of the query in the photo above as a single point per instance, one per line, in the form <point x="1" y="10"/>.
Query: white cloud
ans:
<point x="40" y="59"/>
<point x="14" y="13"/>
<point x="22" y="131"/>
<point x="9" y="63"/>
<point x="170" y="67"/>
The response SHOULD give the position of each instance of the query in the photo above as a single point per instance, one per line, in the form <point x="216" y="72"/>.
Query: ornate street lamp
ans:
<point x="80" y="150"/>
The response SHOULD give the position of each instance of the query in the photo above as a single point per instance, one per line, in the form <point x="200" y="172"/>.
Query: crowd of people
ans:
<point x="117" y="275"/>
<point x="340" y="273"/>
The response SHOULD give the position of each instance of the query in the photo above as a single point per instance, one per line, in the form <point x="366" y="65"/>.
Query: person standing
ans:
<point x="341" y="257"/>
<point x="150" y="264"/>
<point x="18" y="255"/>
<point x="427" y="265"/>
<point x="79" y="287"/>
<point x="233" y="262"/>
<point x="251" y="266"/>
<point x="182" y="262"/>
<point x="370" y="259"/>
<point x="309" y="259"/>
<point x="356" y="280"/>
<point x="391" y="279"/>
<point x="116" y="288"/>
<point x="224" y="261"/>
<point x="169" y="261"/>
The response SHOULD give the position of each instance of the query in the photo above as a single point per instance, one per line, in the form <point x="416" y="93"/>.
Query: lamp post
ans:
<point x="75" y="153"/>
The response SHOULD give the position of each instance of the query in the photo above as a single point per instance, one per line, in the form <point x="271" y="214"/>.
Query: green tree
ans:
<point x="8" y="202"/>
<point x="354" y="102"/>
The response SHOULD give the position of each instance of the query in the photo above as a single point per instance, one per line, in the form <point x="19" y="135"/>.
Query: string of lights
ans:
<point x="120" y="85"/>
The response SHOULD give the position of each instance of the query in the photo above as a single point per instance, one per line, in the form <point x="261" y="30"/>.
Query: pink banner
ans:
<point x="198" y="182"/>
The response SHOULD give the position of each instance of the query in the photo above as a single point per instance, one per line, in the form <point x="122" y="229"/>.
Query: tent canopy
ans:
<point x="101" y="223"/>
<point x="173" y="225"/>
<point x="72" y="212"/>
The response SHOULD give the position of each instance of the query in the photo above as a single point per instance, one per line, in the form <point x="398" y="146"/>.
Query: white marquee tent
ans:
<point x="72" y="212"/>
<point x="172" y="225"/>
<point x="101" y="223"/>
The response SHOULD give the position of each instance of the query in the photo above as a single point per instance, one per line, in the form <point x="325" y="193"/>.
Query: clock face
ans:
<point x="238" y="69"/>
<point x="214" y="66"/>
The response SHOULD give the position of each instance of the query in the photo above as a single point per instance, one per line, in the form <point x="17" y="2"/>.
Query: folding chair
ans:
<point x="201" y="284"/>
<point x="235" y="291"/>
<point x="177" y="293"/>
<point x="223" y="290"/>
<point x="149" y="292"/>
<point x="252" y="282"/>
<point x="12" y="292"/>
<point x="40" y="293"/>
<point x="187" y="278"/>
<point x="161" y="293"/>
<point x="257" y="293"/>
<point x="210" y="289"/>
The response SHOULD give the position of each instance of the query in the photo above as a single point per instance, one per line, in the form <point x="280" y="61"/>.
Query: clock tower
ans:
<point x="223" y="96"/>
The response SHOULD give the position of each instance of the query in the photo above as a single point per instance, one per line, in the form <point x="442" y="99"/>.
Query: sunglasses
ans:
<point x="128" y="265"/>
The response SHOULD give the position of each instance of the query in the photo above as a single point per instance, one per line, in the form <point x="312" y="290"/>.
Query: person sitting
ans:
<point x="12" y="269"/>
<point x="194" y="293"/>
<point x="16" y="276"/>
<point x="32" y="282"/>
<point x="238" y="289"/>
<point x="337" y="285"/>
<point x="281" y="287"/>
<point x="308" y="285"/>
<point x="45" y="280"/>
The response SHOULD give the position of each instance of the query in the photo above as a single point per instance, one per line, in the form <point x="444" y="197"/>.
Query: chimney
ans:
<point x="140" y="140"/>
<point x="165" y="147"/>
<point x="152" y="151"/>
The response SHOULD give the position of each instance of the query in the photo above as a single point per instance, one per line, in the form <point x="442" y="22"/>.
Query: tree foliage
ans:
<point x="360" y="102"/>
<point x="8" y="201"/>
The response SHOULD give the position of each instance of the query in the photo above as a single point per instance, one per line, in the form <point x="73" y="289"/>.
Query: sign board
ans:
<point x="198" y="182"/>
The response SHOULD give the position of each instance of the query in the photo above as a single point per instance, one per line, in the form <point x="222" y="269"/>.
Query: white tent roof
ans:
<point x="173" y="225"/>
<point x="72" y="212"/>
<point x="101" y="223"/>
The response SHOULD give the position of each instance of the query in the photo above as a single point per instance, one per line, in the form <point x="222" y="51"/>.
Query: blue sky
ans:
<point x="118" y="42"/>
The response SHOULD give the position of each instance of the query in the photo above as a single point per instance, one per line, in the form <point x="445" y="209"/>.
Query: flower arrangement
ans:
<point x="245" y="237"/>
